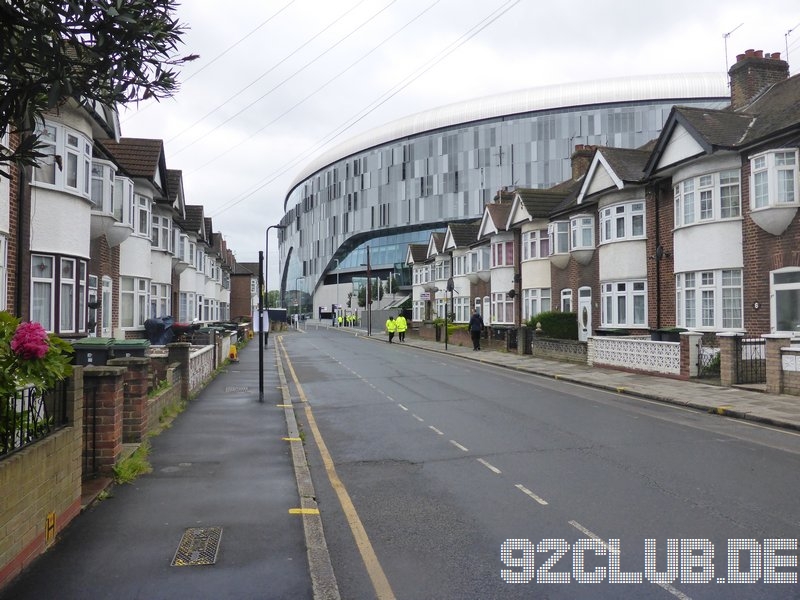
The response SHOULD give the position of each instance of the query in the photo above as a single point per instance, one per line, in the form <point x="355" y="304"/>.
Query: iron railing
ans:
<point x="29" y="416"/>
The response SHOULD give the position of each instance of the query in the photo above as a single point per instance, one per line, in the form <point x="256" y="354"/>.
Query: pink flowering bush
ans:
<point x="29" y="356"/>
<point x="30" y="341"/>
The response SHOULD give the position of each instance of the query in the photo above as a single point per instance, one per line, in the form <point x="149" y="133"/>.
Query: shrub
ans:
<point x="558" y="325"/>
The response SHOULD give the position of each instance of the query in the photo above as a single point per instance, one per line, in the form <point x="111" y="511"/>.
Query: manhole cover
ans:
<point x="236" y="388"/>
<point x="199" y="546"/>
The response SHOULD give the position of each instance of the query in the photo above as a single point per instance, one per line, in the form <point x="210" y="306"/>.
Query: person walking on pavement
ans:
<point x="402" y="325"/>
<point x="475" y="329"/>
<point x="391" y="327"/>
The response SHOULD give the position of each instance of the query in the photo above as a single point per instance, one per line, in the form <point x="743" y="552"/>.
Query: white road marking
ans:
<point x="526" y="491"/>
<point x="665" y="586"/>
<point x="436" y="430"/>
<point x="459" y="446"/>
<point x="403" y="407"/>
<point x="489" y="466"/>
<point x="418" y="418"/>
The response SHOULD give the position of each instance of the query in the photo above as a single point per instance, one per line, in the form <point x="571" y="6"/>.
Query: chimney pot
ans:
<point x="759" y="54"/>
<point x="776" y="56"/>
<point x="749" y="52"/>
<point x="740" y="57"/>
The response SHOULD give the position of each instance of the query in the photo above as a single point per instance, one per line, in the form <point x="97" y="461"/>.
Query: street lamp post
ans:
<point x="263" y="284"/>
<point x="297" y="297"/>
<point x="335" y="313"/>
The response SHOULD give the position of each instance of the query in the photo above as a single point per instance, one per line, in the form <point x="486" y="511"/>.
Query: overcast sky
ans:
<point x="277" y="80"/>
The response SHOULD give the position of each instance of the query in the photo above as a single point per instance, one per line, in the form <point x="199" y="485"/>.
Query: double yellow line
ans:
<point x="380" y="583"/>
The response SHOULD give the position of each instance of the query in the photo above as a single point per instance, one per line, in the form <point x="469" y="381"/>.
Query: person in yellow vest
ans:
<point x="339" y="318"/>
<point x="391" y="327"/>
<point x="402" y="325"/>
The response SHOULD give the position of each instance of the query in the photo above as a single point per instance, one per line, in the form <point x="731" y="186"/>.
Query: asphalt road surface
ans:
<point x="472" y="481"/>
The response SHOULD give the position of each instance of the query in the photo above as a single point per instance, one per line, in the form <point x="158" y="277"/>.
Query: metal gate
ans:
<point x="751" y="360"/>
<point x="707" y="360"/>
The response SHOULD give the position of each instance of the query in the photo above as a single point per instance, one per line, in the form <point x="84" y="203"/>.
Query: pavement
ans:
<point x="232" y="462"/>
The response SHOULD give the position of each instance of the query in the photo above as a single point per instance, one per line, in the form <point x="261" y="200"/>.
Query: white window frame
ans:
<point x="535" y="245"/>
<point x="710" y="300"/>
<point x="160" y="300"/>
<point x="790" y="284"/>
<point x="102" y="188"/>
<point x="502" y="308"/>
<point x="161" y="237"/>
<point x="558" y="231"/>
<point x="142" y="208"/>
<point x="106" y="303"/>
<point x="619" y="301"/>
<point x="75" y="152"/>
<point x="535" y="301"/>
<point x="502" y="253"/>
<point x="133" y="291"/>
<point x="708" y="198"/>
<point x="581" y="232"/>
<point x="123" y="200"/>
<point x="566" y="300"/>
<point x="67" y="295"/>
<point x="619" y="222"/>
<point x="45" y="318"/>
<point x="461" y="308"/>
<point x="768" y="170"/>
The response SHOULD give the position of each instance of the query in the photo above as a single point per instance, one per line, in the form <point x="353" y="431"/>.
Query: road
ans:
<point x="445" y="461"/>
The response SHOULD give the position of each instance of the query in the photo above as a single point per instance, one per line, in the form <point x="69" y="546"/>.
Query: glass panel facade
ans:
<point x="423" y="182"/>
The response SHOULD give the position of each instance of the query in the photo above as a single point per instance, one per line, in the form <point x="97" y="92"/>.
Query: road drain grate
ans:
<point x="237" y="388"/>
<point x="199" y="546"/>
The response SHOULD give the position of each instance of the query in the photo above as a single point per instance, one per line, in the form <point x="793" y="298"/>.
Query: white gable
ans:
<point x="681" y="145"/>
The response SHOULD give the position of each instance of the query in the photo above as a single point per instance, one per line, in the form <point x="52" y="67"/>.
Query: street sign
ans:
<point x="425" y="296"/>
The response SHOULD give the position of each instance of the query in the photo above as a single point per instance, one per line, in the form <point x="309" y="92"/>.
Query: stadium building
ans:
<point x="393" y="185"/>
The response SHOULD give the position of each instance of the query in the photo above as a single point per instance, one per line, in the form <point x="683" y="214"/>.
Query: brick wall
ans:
<point x="103" y="418"/>
<point x="41" y="479"/>
<point x="660" y="222"/>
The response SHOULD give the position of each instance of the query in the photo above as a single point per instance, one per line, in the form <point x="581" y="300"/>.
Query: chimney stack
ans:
<point x="581" y="160"/>
<point x="752" y="73"/>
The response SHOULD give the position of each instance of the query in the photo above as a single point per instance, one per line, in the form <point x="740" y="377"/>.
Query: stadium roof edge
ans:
<point x="670" y="87"/>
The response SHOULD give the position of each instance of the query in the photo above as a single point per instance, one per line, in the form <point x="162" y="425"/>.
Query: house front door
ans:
<point x="584" y="313"/>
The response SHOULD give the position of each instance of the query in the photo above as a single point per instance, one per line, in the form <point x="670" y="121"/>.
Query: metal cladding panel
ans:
<point x="606" y="91"/>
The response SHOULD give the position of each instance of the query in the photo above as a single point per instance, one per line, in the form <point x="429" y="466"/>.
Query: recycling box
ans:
<point x="92" y="351"/>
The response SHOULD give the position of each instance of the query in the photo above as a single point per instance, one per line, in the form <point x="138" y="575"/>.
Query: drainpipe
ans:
<point x="658" y="258"/>
<point x="23" y="241"/>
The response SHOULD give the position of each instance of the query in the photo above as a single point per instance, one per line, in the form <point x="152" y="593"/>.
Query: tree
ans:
<point x="273" y="298"/>
<point x="375" y="294"/>
<point x="104" y="51"/>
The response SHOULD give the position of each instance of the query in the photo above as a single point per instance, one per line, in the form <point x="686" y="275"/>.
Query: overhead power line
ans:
<point x="385" y="97"/>
<point x="287" y="79"/>
<point x="265" y="73"/>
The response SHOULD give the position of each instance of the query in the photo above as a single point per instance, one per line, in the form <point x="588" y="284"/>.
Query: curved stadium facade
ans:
<point x="394" y="185"/>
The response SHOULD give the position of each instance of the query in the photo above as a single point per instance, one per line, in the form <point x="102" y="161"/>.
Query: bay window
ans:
<point x="582" y="228"/>
<point x="161" y="233"/>
<point x="503" y="254"/>
<point x="558" y="232"/>
<point x="535" y="301"/>
<point x="73" y="174"/>
<point x="773" y="180"/>
<point x="622" y="222"/>
<point x="160" y="300"/>
<point x="624" y="304"/>
<point x="133" y="301"/>
<point x="58" y="293"/>
<point x="535" y="244"/>
<point x="502" y="308"/>
<point x="709" y="299"/>
<point x="102" y="190"/>
<point x="708" y="197"/>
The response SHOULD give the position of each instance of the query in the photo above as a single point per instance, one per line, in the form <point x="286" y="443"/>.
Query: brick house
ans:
<point x="726" y="186"/>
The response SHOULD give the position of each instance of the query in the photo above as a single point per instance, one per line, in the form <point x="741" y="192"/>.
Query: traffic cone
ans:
<point x="233" y="354"/>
